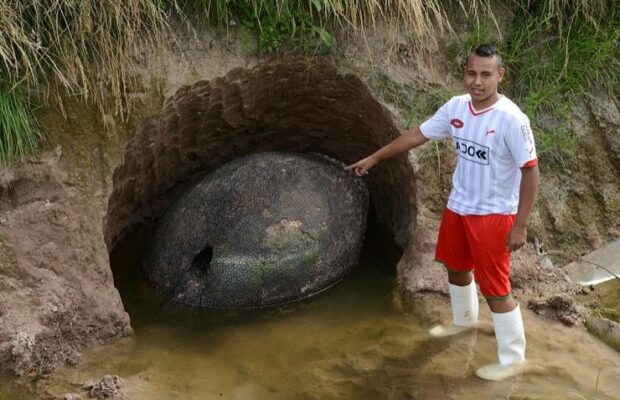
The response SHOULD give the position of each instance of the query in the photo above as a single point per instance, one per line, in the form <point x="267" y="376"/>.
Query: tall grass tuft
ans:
<point x="299" y="19"/>
<point x="66" y="47"/>
<point x="564" y="48"/>
<point x="19" y="132"/>
<point x="82" y="47"/>
<point x="560" y="51"/>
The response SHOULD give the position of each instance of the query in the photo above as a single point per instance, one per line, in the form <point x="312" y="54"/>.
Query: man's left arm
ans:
<point x="527" y="195"/>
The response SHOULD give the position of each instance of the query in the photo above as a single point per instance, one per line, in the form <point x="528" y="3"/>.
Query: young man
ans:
<point x="493" y="190"/>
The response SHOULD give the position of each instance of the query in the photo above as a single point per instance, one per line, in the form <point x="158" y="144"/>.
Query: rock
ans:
<point x="607" y="330"/>
<point x="262" y="230"/>
<point x="72" y="396"/>
<point x="109" y="387"/>
<point x="561" y="307"/>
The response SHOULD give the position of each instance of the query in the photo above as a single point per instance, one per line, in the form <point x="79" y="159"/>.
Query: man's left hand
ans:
<point x="516" y="238"/>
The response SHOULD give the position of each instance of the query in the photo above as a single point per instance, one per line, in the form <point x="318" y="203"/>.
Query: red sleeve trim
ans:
<point x="531" y="163"/>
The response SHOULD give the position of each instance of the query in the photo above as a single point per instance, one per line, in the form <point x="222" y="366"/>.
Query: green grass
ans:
<point x="19" y="133"/>
<point x="280" y="24"/>
<point x="607" y="312"/>
<point x="309" y="25"/>
<point x="425" y="103"/>
<point x="549" y="63"/>
<point x="557" y="53"/>
<point x="480" y="33"/>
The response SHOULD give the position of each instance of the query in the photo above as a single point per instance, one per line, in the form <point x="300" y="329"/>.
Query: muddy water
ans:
<point x="358" y="340"/>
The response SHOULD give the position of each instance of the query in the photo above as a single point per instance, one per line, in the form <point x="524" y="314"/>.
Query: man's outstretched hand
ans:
<point x="362" y="166"/>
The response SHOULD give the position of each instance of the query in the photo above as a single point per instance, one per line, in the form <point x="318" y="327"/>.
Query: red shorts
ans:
<point x="478" y="243"/>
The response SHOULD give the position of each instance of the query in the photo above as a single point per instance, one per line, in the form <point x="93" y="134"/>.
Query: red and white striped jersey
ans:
<point x="492" y="144"/>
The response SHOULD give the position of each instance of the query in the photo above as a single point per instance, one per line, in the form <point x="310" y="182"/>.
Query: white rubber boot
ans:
<point x="464" y="301"/>
<point x="510" y="337"/>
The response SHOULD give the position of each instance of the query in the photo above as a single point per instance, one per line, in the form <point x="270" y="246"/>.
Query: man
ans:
<point x="493" y="190"/>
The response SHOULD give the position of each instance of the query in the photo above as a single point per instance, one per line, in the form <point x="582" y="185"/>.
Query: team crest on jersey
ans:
<point x="472" y="151"/>
<point x="457" y="123"/>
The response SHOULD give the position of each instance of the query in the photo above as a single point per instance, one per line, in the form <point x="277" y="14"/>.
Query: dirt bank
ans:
<point x="56" y="290"/>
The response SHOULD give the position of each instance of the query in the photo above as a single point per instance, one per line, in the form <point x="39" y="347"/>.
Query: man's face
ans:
<point x="482" y="76"/>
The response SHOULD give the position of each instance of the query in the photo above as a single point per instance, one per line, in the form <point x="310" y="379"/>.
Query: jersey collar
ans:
<point x="475" y="112"/>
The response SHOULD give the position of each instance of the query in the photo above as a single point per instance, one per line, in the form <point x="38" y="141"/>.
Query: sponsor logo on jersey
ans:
<point x="489" y="132"/>
<point x="528" y="137"/>
<point x="472" y="151"/>
<point x="457" y="123"/>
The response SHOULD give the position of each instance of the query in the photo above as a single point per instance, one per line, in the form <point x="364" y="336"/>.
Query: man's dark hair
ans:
<point x="487" y="50"/>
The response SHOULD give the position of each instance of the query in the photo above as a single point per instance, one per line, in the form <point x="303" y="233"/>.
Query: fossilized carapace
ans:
<point x="265" y="229"/>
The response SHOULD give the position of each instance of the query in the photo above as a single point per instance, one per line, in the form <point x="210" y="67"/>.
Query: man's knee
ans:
<point x="460" y="278"/>
<point x="502" y="306"/>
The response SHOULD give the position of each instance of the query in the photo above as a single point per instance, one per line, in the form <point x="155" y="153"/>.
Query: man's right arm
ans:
<point x="408" y="140"/>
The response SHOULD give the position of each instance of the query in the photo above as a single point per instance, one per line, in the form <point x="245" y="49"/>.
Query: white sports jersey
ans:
<point x="492" y="144"/>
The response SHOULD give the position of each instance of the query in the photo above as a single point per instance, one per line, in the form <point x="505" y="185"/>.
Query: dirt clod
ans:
<point x="108" y="387"/>
<point x="561" y="307"/>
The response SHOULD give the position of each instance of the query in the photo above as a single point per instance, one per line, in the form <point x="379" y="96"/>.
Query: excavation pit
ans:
<point x="288" y="105"/>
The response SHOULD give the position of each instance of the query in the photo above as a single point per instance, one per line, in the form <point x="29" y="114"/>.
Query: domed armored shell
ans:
<point x="262" y="230"/>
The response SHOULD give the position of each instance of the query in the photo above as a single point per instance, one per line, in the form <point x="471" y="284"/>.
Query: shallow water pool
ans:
<point x="359" y="340"/>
